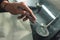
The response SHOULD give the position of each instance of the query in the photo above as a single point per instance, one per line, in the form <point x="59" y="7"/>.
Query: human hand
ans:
<point x="26" y="12"/>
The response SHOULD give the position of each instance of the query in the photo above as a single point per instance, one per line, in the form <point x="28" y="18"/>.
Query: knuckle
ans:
<point x="22" y="3"/>
<point x="24" y="12"/>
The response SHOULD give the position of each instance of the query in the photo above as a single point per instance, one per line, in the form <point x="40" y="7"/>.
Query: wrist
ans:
<point x="4" y="3"/>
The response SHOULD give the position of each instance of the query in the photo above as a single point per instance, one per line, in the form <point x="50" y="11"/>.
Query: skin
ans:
<point x="26" y="14"/>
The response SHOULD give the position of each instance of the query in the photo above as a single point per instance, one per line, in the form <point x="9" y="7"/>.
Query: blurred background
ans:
<point x="12" y="28"/>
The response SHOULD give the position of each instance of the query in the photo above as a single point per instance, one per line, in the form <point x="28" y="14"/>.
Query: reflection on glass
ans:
<point x="49" y="12"/>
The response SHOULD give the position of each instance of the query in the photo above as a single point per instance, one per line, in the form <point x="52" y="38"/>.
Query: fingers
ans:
<point x="30" y="17"/>
<point x="23" y="17"/>
<point x="27" y="9"/>
<point x="33" y="16"/>
<point x="19" y="17"/>
<point x="24" y="6"/>
<point x="26" y="18"/>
